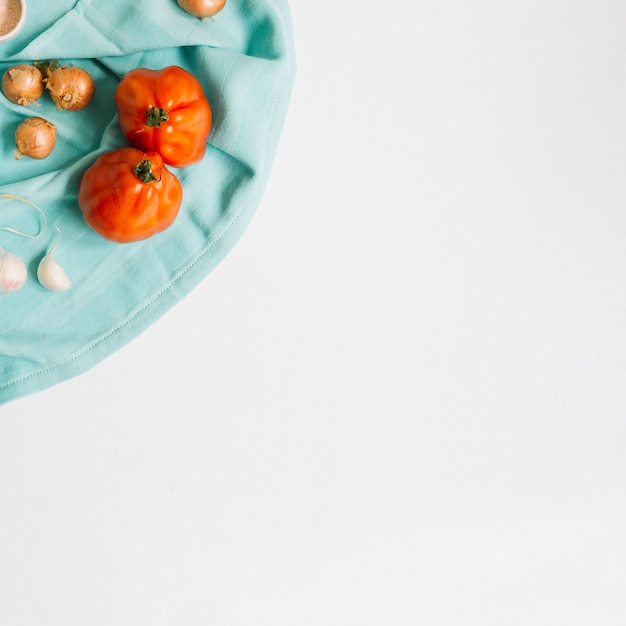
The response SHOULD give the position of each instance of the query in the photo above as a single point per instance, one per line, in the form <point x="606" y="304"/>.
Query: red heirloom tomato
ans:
<point x="165" y="111"/>
<point x="128" y="195"/>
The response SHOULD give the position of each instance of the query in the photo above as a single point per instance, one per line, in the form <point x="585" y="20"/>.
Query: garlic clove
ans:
<point x="51" y="275"/>
<point x="13" y="271"/>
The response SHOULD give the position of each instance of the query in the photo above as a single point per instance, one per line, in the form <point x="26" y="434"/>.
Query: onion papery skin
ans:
<point x="23" y="84"/>
<point x="71" y="88"/>
<point x="35" y="138"/>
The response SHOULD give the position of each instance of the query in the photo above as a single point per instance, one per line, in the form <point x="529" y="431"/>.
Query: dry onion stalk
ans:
<point x="23" y="84"/>
<point x="42" y="228"/>
<point x="35" y="138"/>
<point x="71" y="88"/>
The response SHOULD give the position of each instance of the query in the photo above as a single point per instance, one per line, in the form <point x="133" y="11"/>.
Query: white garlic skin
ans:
<point x="13" y="272"/>
<point x="51" y="275"/>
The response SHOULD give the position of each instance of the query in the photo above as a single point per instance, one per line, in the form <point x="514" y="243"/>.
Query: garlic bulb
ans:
<point x="50" y="274"/>
<point x="12" y="271"/>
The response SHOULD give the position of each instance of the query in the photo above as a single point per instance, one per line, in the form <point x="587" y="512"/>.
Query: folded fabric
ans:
<point x="244" y="59"/>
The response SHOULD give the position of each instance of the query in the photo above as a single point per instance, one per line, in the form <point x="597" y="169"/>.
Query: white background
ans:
<point x="401" y="399"/>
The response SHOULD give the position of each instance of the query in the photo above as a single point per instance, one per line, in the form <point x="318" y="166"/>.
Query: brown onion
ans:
<point x="35" y="138"/>
<point x="71" y="88"/>
<point x="202" y="8"/>
<point x="22" y="84"/>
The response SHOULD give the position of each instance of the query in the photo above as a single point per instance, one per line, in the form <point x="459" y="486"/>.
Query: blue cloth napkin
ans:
<point x="244" y="58"/>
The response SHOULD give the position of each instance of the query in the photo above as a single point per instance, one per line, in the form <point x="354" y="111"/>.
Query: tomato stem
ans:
<point x="143" y="171"/>
<point x="156" y="116"/>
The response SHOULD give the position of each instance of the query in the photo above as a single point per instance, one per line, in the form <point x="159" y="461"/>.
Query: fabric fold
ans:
<point x="244" y="59"/>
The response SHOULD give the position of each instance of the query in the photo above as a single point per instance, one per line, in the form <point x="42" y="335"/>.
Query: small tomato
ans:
<point x="165" y="111"/>
<point x="128" y="195"/>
